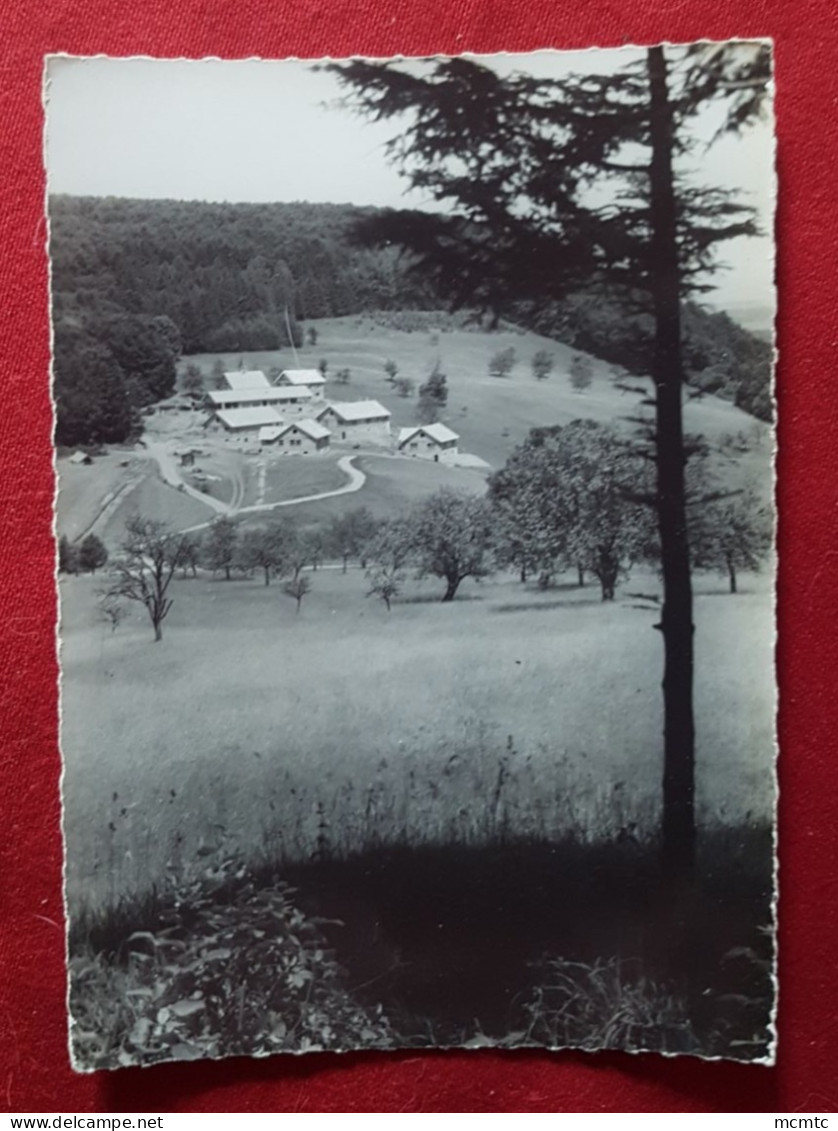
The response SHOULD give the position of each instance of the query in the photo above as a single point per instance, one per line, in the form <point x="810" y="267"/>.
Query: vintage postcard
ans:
<point x="414" y="439"/>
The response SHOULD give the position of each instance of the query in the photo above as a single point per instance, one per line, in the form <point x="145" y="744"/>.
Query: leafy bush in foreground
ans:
<point x="231" y="968"/>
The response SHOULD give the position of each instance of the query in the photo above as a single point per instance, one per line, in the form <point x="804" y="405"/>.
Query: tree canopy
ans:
<point x="566" y="499"/>
<point x="451" y="535"/>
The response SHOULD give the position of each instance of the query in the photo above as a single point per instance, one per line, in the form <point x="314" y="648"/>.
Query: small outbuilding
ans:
<point x="429" y="441"/>
<point x="311" y="379"/>
<point x="356" y="421"/>
<point x="80" y="458"/>
<point x="299" y="438"/>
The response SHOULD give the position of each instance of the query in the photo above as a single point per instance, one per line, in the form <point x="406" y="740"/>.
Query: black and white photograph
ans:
<point x="414" y="436"/>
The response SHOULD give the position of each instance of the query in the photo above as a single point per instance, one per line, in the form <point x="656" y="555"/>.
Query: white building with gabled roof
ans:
<point x="246" y="421"/>
<point x="436" y="442"/>
<point x="287" y="401"/>
<point x="311" y="379"/>
<point x="353" y="422"/>
<point x="247" y="379"/>
<point x="302" y="437"/>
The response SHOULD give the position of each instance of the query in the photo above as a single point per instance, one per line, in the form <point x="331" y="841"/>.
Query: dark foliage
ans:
<point x="67" y="556"/>
<point x="224" y="273"/>
<point x="719" y="355"/>
<point x="433" y="396"/>
<point x="92" y="405"/>
<point x="92" y="554"/>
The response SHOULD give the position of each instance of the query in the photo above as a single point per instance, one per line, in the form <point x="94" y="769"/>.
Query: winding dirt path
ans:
<point x="355" y="482"/>
<point x="170" y="474"/>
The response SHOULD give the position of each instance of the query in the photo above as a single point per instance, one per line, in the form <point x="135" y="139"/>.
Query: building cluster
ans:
<point x="294" y="417"/>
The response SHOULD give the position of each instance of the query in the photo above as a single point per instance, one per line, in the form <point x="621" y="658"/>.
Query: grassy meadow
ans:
<point x="369" y="802"/>
<point x="492" y="415"/>
<point x="345" y="727"/>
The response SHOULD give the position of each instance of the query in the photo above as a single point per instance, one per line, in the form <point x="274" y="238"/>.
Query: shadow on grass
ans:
<point x="547" y="603"/>
<point x="436" y="599"/>
<point x="458" y="943"/>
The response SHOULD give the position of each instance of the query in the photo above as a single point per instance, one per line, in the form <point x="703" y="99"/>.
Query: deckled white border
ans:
<point x="770" y="1058"/>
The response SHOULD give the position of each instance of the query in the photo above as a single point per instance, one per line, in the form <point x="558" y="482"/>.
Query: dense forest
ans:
<point x="224" y="273"/>
<point x="135" y="283"/>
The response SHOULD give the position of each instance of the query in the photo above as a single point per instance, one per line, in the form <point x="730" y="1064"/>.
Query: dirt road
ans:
<point x="355" y="482"/>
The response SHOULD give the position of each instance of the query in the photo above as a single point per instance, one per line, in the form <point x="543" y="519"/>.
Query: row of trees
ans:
<point x="152" y="553"/>
<point x="573" y="497"/>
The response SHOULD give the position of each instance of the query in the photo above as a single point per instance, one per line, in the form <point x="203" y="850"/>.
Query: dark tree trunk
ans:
<point x="453" y="584"/>
<point x="227" y="572"/>
<point x="607" y="573"/>
<point x="267" y="570"/>
<point x="523" y="575"/>
<point x="679" y="833"/>
<point x="158" y="632"/>
<point x="345" y="560"/>
<point x="731" y="572"/>
<point x="580" y="576"/>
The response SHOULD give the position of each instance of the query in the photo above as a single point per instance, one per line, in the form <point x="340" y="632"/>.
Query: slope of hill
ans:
<point x="492" y="415"/>
<point x="135" y="282"/>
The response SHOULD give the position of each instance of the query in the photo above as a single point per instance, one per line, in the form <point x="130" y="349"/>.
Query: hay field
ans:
<point x="345" y="726"/>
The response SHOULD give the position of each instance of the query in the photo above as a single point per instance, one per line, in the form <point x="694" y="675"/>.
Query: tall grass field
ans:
<point x="272" y="727"/>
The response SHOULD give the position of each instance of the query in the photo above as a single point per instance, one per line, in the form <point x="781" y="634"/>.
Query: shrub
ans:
<point x="542" y="365"/>
<point x="229" y="969"/>
<point x="502" y="362"/>
<point x="608" y="1004"/>
<point x="581" y="372"/>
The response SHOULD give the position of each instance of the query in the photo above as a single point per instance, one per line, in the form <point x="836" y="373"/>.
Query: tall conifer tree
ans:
<point x="559" y="184"/>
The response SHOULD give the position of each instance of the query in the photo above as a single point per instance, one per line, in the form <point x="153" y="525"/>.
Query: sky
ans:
<point x="263" y="131"/>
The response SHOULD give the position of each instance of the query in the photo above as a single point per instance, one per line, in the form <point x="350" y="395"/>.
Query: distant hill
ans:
<point x="136" y="282"/>
<point x="755" y="317"/>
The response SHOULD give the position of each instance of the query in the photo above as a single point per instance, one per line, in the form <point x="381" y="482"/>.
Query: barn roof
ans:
<point x="247" y="379"/>
<point x="438" y="432"/>
<point x="302" y="377"/>
<point x="224" y="397"/>
<point x="311" y="428"/>
<point x="248" y="417"/>
<point x="349" y="411"/>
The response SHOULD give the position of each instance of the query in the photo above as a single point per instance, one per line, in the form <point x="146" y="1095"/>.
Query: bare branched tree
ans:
<point x="149" y="557"/>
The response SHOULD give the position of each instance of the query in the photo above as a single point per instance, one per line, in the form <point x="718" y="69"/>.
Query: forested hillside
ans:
<point x="720" y="356"/>
<point x="135" y="283"/>
<point x="224" y="273"/>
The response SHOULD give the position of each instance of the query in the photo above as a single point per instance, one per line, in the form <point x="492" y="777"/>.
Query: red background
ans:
<point x="34" y="1069"/>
